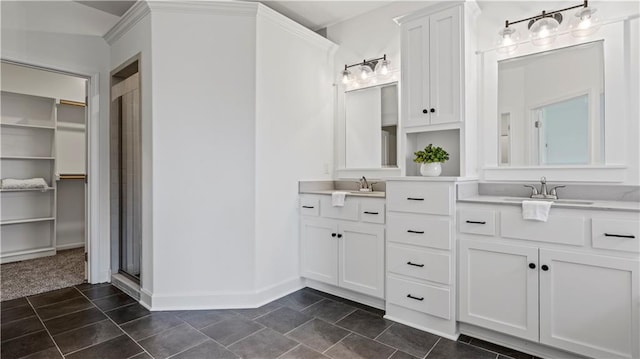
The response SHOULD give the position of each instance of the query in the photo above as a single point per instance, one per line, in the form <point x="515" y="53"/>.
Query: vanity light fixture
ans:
<point x="543" y="28"/>
<point x="368" y="68"/>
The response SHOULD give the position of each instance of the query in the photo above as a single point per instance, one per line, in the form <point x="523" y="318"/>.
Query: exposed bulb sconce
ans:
<point x="543" y="28"/>
<point x="368" y="68"/>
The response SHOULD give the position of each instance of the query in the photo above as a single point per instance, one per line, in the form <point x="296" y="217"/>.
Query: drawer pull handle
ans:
<point x="414" y="199"/>
<point x="412" y="231"/>
<point x="619" y="235"/>
<point x="416" y="298"/>
<point x="477" y="222"/>
<point x="307" y="207"/>
<point x="415" y="265"/>
<point x="367" y="212"/>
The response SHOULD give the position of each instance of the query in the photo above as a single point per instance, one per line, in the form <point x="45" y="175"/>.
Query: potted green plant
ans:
<point x="431" y="160"/>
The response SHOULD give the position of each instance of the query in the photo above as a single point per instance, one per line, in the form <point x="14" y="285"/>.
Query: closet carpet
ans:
<point x="40" y="275"/>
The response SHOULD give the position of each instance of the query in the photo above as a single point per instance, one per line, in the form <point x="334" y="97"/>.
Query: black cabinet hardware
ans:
<point x="412" y="231"/>
<point x="477" y="222"/>
<point x="333" y="234"/>
<point x="416" y="298"/>
<point x="432" y="110"/>
<point x="367" y="212"/>
<point x="619" y="235"/>
<point x="415" y="265"/>
<point x="545" y="267"/>
<point x="307" y="207"/>
<point x="532" y="265"/>
<point x="425" y="111"/>
<point x="414" y="199"/>
<point x="339" y="235"/>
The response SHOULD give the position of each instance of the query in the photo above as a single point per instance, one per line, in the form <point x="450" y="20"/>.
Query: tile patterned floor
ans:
<point x="99" y="321"/>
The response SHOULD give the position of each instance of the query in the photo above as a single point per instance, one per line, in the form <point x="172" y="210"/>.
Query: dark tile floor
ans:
<point x="99" y="321"/>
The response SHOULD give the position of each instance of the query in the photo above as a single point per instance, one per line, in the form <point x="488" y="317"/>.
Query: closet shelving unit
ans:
<point x="27" y="150"/>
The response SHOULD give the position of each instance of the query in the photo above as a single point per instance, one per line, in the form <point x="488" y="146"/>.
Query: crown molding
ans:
<point x="428" y="10"/>
<point x="228" y="8"/>
<point x="295" y="29"/>
<point x="142" y="8"/>
<point x="130" y="18"/>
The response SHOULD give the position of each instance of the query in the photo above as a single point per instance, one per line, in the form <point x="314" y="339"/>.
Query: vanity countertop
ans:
<point x="573" y="204"/>
<point x="374" y="194"/>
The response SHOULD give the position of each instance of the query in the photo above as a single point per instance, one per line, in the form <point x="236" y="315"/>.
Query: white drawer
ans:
<point x="419" y="230"/>
<point x="372" y="210"/>
<point x="614" y="234"/>
<point x="421" y="297"/>
<point x="419" y="197"/>
<point x="348" y="212"/>
<point x="417" y="263"/>
<point x="477" y="222"/>
<point x="559" y="228"/>
<point x="309" y="205"/>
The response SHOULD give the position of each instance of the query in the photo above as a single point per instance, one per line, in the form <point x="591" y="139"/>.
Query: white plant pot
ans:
<point x="433" y="169"/>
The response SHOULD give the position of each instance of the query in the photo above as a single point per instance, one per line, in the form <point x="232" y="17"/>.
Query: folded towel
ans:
<point x="10" y="183"/>
<point x="337" y="199"/>
<point x="536" y="210"/>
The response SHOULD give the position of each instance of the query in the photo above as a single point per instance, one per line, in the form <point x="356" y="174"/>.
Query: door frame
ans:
<point x="97" y="250"/>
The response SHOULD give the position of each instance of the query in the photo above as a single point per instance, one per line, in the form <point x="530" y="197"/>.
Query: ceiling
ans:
<point x="96" y="17"/>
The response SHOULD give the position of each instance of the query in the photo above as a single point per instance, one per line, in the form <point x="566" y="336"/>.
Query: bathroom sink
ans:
<point x="558" y="201"/>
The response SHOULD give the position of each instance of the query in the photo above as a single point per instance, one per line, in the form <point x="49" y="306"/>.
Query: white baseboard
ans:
<point x="62" y="247"/>
<point x="219" y="300"/>
<point x="346" y="293"/>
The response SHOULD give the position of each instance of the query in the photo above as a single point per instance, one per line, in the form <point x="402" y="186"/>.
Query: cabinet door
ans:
<point x="445" y="66"/>
<point x="415" y="72"/>
<point x="498" y="289"/>
<point x="362" y="258"/>
<point x="589" y="304"/>
<point x="319" y="250"/>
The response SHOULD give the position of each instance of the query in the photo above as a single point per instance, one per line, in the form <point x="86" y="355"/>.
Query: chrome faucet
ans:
<point x="364" y="185"/>
<point x="543" y="194"/>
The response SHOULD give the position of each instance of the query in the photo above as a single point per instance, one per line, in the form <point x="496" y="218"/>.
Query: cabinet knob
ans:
<point x="339" y="235"/>
<point x="432" y="110"/>
<point x="532" y="265"/>
<point x="545" y="267"/>
<point x="333" y="234"/>
<point x="425" y="111"/>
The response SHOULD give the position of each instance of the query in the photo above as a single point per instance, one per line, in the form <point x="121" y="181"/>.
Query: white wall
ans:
<point x="294" y="139"/>
<point x="26" y="80"/>
<point x="83" y="55"/>
<point x="137" y="41"/>
<point x="204" y="155"/>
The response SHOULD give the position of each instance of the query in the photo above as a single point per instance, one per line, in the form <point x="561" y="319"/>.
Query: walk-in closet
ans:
<point x="43" y="165"/>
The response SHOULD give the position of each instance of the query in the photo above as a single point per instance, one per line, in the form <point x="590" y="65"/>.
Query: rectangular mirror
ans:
<point x="551" y="107"/>
<point x="371" y="126"/>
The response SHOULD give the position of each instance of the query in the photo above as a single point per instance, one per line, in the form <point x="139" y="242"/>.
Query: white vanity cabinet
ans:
<point x="420" y="255"/>
<point x="432" y="67"/>
<point x="566" y="294"/>
<point x="343" y="246"/>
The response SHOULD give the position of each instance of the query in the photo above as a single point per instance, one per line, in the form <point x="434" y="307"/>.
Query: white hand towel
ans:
<point x="536" y="210"/>
<point x="337" y="199"/>
<point x="10" y="183"/>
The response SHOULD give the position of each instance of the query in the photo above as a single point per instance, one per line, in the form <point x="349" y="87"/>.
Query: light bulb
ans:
<point x="346" y="76"/>
<point x="384" y="67"/>
<point x="544" y="31"/>
<point x="365" y="72"/>
<point x="584" y="23"/>
<point x="507" y="40"/>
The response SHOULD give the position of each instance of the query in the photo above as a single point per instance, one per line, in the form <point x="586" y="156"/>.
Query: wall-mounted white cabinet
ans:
<point x="438" y="85"/>
<point x="581" y="296"/>
<point x="432" y="68"/>
<point x="343" y="246"/>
